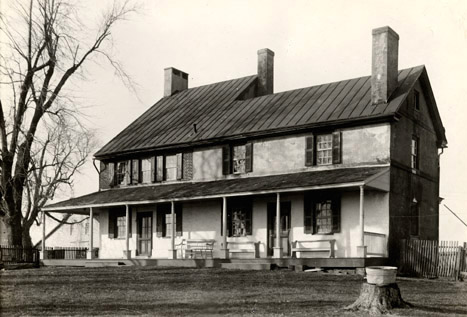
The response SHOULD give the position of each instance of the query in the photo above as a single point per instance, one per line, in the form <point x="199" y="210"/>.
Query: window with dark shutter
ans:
<point x="309" y="154"/>
<point x="249" y="158"/>
<point x="179" y="219"/>
<point x="326" y="213"/>
<point x="336" y="147"/>
<point x="307" y="214"/>
<point x="226" y="160"/>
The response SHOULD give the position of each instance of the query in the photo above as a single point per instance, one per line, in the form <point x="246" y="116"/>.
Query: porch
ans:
<point x="129" y="236"/>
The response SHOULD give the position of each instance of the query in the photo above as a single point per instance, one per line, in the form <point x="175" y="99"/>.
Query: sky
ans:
<point x="315" y="42"/>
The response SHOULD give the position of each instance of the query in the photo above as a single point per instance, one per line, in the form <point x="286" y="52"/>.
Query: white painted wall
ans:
<point x="202" y="220"/>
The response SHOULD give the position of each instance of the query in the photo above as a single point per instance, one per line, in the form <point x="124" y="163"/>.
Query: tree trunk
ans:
<point x="14" y="229"/>
<point x="378" y="299"/>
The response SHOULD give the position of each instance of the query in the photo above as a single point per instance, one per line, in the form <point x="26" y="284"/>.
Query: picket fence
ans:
<point x="431" y="258"/>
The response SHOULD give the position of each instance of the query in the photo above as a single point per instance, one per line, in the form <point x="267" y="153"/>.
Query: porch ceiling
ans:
<point x="136" y="195"/>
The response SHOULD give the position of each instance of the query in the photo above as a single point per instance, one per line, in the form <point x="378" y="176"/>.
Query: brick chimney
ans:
<point x="265" y="72"/>
<point x="174" y="81"/>
<point x="384" y="68"/>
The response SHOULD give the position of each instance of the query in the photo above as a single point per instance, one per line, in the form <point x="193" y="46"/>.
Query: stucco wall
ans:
<point x="202" y="220"/>
<point x="287" y="154"/>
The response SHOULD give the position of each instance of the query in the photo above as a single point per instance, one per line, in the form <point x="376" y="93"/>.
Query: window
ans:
<point x="117" y="223"/>
<point x="169" y="167"/>
<point x="416" y="99"/>
<point x="414" y="152"/>
<point x="86" y="227"/>
<point x="71" y="229"/>
<point x="164" y="220"/>
<point x="323" y="149"/>
<point x="414" y="219"/>
<point x="321" y="213"/>
<point x="121" y="173"/>
<point x="237" y="159"/>
<point x="239" y="217"/>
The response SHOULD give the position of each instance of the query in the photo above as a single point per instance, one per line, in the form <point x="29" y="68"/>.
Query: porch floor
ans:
<point x="201" y="263"/>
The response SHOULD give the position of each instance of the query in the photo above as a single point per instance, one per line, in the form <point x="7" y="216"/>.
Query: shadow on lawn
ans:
<point x="442" y="309"/>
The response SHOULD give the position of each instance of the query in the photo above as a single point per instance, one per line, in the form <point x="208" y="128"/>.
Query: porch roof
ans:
<point x="373" y="177"/>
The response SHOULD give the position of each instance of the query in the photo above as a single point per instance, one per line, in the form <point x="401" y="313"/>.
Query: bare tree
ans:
<point x="44" y="49"/>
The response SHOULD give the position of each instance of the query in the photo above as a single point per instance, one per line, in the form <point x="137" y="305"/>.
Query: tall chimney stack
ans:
<point x="265" y="72"/>
<point x="174" y="81"/>
<point x="384" y="69"/>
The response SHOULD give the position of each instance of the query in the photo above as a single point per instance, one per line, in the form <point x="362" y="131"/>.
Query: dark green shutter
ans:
<point x="153" y="169"/>
<point x="229" y="220"/>
<point x="226" y="160"/>
<point x="134" y="171"/>
<point x="249" y="157"/>
<point x="309" y="155"/>
<point x="187" y="165"/>
<point x="307" y="214"/>
<point x="160" y="169"/>
<point x="336" y="212"/>
<point x="160" y="222"/>
<point x="179" y="166"/>
<point x="130" y="222"/>
<point x="179" y="219"/>
<point x="336" y="147"/>
<point x="111" y="224"/>
<point x="249" y="219"/>
<point x="115" y="178"/>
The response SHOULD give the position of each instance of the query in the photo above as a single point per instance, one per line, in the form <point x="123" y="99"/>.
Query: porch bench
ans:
<point x="244" y="247"/>
<point x="193" y="248"/>
<point x="301" y="246"/>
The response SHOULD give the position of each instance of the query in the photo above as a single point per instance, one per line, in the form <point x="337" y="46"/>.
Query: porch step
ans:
<point x="103" y="263"/>
<point x="247" y="266"/>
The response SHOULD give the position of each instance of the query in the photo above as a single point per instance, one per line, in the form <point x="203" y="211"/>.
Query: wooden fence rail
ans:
<point x="66" y="253"/>
<point x="10" y="254"/>
<point x="431" y="258"/>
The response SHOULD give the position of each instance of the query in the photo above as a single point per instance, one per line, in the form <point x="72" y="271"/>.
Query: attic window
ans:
<point x="416" y="100"/>
<point x="185" y="76"/>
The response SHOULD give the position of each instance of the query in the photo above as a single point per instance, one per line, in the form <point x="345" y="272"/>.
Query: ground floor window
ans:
<point x="117" y="223"/>
<point x="239" y="217"/>
<point x="164" y="220"/>
<point x="321" y="213"/>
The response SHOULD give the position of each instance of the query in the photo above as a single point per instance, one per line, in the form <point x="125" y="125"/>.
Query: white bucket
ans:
<point x="381" y="275"/>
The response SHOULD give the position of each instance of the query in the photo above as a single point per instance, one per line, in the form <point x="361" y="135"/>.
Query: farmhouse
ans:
<point x="339" y="171"/>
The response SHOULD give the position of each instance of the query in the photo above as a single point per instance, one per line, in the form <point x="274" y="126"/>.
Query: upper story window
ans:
<point x="153" y="169"/>
<point x="237" y="159"/>
<point x="415" y="152"/>
<point x="323" y="149"/>
<point x="416" y="100"/>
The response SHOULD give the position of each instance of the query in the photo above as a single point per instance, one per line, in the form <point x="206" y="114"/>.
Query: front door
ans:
<point x="285" y="227"/>
<point x="144" y="222"/>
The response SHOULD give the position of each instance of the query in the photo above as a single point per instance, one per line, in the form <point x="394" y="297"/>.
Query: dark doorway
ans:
<point x="285" y="227"/>
<point x="144" y="223"/>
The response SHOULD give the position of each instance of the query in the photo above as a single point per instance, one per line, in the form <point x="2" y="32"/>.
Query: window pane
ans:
<point x="324" y="219"/>
<point x="239" y="223"/>
<point x="121" y="173"/>
<point x="168" y="222"/>
<point x="121" y="225"/>
<point x="324" y="149"/>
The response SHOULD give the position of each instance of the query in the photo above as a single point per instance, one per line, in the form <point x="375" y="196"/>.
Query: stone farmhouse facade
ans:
<point x="354" y="162"/>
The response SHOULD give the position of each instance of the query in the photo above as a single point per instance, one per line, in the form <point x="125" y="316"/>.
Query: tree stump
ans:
<point x="378" y="300"/>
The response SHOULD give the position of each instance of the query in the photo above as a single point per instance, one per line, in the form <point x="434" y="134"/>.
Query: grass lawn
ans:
<point x="180" y="291"/>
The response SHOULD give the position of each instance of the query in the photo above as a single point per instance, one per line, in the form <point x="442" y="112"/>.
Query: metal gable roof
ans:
<point x="218" y="114"/>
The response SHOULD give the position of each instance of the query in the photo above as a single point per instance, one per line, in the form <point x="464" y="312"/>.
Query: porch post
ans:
<point x="172" y="250"/>
<point x="43" y="253"/>
<point x="224" y="249"/>
<point x="127" y="232"/>
<point x="90" y="254"/>
<point x="361" y="249"/>
<point x="278" y="245"/>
